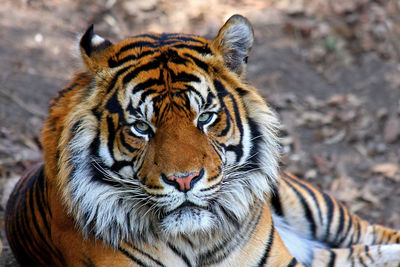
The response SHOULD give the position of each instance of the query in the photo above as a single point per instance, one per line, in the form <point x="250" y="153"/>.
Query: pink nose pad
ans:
<point x="184" y="182"/>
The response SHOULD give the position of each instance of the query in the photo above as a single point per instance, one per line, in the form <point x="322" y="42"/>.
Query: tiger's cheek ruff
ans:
<point x="110" y="213"/>
<point x="251" y="166"/>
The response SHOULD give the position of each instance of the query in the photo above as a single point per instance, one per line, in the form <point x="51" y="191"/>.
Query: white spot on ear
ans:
<point x="97" y="40"/>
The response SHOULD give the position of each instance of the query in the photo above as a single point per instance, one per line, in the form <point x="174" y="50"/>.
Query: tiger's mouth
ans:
<point x="186" y="207"/>
<point x="187" y="218"/>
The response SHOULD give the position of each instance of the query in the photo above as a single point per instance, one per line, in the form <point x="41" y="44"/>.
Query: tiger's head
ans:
<point x="167" y="138"/>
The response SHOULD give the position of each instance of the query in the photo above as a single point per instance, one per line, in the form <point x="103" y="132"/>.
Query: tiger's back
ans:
<point x="27" y="221"/>
<point x="160" y="153"/>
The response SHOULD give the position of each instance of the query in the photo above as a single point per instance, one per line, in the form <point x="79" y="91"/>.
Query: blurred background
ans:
<point x="330" y="68"/>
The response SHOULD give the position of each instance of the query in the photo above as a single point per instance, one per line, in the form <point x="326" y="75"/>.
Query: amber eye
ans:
<point x="205" y="117"/>
<point x="141" y="127"/>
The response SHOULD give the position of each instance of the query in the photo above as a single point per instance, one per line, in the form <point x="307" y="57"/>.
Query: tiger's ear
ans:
<point x="234" y="42"/>
<point x="94" y="50"/>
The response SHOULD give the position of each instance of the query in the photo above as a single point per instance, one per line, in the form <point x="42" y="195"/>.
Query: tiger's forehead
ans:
<point x="143" y="45"/>
<point x="163" y="73"/>
<point x="163" y="97"/>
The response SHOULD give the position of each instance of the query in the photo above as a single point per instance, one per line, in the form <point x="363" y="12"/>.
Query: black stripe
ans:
<point x="118" y="165"/>
<point x="231" y="218"/>
<point x="111" y="136"/>
<point x="292" y="263"/>
<point x="256" y="137"/>
<point x="341" y="224"/>
<point x="199" y="63"/>
<point x="346" y="233"/>
<point x="132" y="257"/>
<point x="155" y="37"/>
<point x="163" y="40"/>
<point x="351" y="251"/>
<point x="114" y="107"/>
<point x="61" y="94"/>
<point x="237" y="149"/>
<point x="145" y="67"/>
<point x="210" y="187"/>
<point x="241" y="91"/>
<point x="185" y="99"/>
<point x="187" y="240"/>
<point x="126" y="144"/>
<point x="40" y="200"/>
<point x="95" y="146"/>
<point x="202" y="49"/>
<point x="87" y="261"/>
<point x="148" y="256"/>
<point x="112" y="63"/>
<point x="361" y="261"/>
<point x="332" y="257"/>
<point x="41" y="239"/>
<point x="329" y="215"/>
<point x="29" y="242"/>
<point x="184" y="77"/>
<point x="115" y="79"/>
<point x="366" y="249"/>
<point x="135" y="112"/>
<point x="137" y="44"/>
<point x="180" y="254"/>
<point x="144" y="86"/>
<point x="210" y="99"/>
<point x="99" y="176"/>
<point x="180" y="37"/>
<point x="267" y="249"/>
<point x="276" y="202"/>
<point x="191" y="89"/>
<point x="228" y="122"/>
<point x="213" y="177"/>
<point x="221" y="93"/>
<point x="316" y="202"/>
<point x="218" y="149"/>
<point x="30" y="225"/>
<point x="28" y="245"/>
<point x="219" y="252"/>
<point x="75" y="127"/>
<point x="307" y="211"/>
<point x="358" y="232"/>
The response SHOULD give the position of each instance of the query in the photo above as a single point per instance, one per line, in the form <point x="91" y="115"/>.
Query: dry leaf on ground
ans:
<point x="387" y="169"/>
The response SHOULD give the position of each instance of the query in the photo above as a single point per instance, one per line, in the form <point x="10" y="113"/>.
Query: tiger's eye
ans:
<point x="205" y="117"/>
<point x="141" y="127"/>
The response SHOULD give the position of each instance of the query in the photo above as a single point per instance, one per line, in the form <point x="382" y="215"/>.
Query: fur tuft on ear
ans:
<point x="93" y="49"/>
<point x="234" y="42"/>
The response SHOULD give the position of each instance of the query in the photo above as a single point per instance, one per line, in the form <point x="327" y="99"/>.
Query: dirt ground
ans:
<point x="329" y="68"/>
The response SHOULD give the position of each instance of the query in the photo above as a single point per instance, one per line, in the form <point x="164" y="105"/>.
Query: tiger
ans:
<point x="159" y="152"/>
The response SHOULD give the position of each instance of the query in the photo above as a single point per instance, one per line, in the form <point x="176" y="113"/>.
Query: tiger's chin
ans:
<point x="188" y="220"/>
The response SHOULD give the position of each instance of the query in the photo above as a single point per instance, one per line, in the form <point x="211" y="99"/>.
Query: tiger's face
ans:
<point x="169" y="140"/>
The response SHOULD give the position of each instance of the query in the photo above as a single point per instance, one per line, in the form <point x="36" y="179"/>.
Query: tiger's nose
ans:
<point x="183" y="182"/>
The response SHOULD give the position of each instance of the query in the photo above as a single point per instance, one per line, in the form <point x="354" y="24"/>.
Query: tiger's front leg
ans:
<point x="327" y="234"/>
<point x="358" y="255"/>
<point x="379" y="246"/>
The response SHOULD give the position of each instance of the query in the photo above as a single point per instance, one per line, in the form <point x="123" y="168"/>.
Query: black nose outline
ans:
<point x="176" y="185"/>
